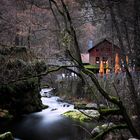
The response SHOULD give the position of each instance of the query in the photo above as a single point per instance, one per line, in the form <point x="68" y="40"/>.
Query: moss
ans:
<point x="76" y="115"/>
<point x="5" y="51"/>
<point x="4" y="114"/>
<point x="100" y="131"/>
<point x="44" y="106"/>
<point x="109" y="111"/>
<point x="114" y="98"/>
<point x="16" y="63"/>
<point x="18" y="95"/>
<point x="21" y="86"/>
<point x="26" y="85"/>
<point x="44" y="85"/>
<point x="19" y="49"/>
<point x="8" y="50"/>
<point x="40" y="66"/>
<point x="79" y="105"/>
<point x="91" y="66"/>
<point x="6" y="136"/>
<point x="65" y="38"/>
<point x="21" y="97"/>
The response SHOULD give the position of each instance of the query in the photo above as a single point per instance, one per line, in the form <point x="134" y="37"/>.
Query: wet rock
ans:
<point x="53" y="109"/>
<point x="66" y="105"/>
<point x="6" y="136"/>
<point x="90" y="105"/>
<point x="101" y="128"/>
<point x="60" y="100"/>
<point x="47" y="92"/>
<point x="94" y="105"/>
<point x="4" y="114"/>
<point x="133" y="139"/>
<point x="134" y="117"/>
<point x="92" y="113"/>
<point x="102" y="106"/>
<point x="96" y="131"/>
<point x="79" y="105"/>
<point x="45" y="106"/>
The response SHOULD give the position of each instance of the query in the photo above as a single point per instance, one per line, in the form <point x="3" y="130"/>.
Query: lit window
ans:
<point x="104" y="59"/>
<point x="97" y="60"/>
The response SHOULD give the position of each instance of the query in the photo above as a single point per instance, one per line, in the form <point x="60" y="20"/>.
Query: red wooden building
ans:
<point x="104" y="51"/>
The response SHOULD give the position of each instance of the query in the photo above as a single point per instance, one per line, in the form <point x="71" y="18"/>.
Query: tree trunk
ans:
<point x="133" y="93"/>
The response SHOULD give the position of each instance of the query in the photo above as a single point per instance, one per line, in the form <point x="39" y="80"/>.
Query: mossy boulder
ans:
<point x="4" y="114"/>
<point x="101" y="128"/>
<point x="92" y="113"/>
<point x="44" y="106"/>
<point x="79" y="105"/>
<point x="77" y="115"/>
<point x="19" y="80"/>
<point x="21" y="97"/>
<point x="6" y="136"/>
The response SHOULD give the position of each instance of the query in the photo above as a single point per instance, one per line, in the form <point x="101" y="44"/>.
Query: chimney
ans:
<point x="90" y="44"/>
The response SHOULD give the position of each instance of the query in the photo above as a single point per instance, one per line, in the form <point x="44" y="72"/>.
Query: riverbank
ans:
<point x="98" y="124"/>
<point x="48" y="124"/>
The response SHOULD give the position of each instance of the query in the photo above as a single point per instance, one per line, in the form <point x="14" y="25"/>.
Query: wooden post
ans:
<point x="117" y="64"/>
<point x="107" y="68"/>
<point x="101" y="71"/>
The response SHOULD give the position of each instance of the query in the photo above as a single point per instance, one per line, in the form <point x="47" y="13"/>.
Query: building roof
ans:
<point x="100" y="42"/>
<point x="85" y="57"/>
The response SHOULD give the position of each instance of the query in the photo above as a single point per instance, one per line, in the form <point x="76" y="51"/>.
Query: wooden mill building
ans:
<point x="104" y="50"/>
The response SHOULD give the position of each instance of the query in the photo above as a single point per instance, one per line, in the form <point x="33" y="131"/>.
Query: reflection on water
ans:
<point x="37" y="128"/>
<point x="48" y="124"/>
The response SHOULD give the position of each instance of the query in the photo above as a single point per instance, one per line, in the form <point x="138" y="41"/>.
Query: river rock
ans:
<point x="6" y="136"/>
<point x="101" y="128"/>
<point x="53" y="109"/>
<point x="77" y="115"/>
<point x="44" y="106"/>
<point x="102" y="106"/>
<point x="92" y="113"/>
<point x="133" y="139"/>
<point x="90" y="105"/>
<point x="4" y="114"/>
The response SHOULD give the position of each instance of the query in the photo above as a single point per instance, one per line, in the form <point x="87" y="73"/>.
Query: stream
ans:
<point x="49" y="124"/>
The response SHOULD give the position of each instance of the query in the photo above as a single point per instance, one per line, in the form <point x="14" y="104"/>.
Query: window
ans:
<point x="108" y="49"/>
<point x="97" y="50"/>
<point x="97" y="60"/>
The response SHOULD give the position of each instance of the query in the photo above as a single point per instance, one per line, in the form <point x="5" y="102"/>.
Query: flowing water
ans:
<point x="49" y="124"/>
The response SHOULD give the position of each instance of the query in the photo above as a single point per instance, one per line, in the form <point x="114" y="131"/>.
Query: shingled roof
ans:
<point x="100" y="42"/>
